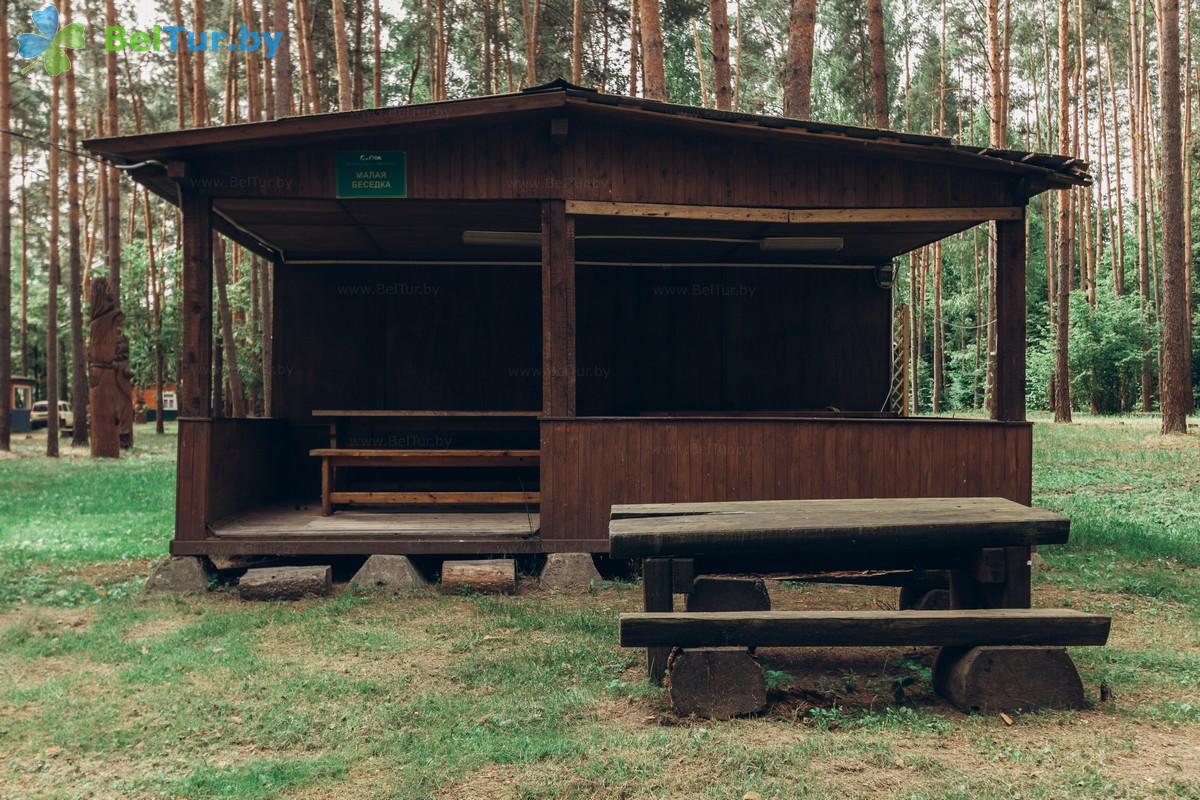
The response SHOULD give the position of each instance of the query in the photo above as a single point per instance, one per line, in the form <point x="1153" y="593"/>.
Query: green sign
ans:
<point x="372" y="173"/>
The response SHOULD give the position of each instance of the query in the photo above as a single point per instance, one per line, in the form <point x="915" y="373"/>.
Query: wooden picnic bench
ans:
<point x="336" y="456"/>
<point x="984" y="542"/>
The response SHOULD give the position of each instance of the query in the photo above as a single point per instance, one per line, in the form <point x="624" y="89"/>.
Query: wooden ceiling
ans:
<point x="432" y="231"/>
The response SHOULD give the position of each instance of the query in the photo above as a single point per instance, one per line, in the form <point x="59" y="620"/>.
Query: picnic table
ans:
<point x="984" y="542"/>
<point x="337" y="455"/>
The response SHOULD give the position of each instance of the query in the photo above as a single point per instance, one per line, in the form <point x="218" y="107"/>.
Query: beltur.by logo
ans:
<point x="51" y="44"/>
<point x="117" y="37"/>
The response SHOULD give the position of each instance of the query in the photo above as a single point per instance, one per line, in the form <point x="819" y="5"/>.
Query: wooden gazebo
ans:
<point x="631" y="301"/>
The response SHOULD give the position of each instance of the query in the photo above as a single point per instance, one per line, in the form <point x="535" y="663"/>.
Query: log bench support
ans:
<point x="991" y="659"/>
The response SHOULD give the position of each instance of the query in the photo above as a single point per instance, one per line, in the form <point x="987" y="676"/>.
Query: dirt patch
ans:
<point x="153" y="629"/>
<point x="423" y="656"/>
<point x="106" y="572"/>
<point x="45" y="620"/>
<point x="490" y="783"/>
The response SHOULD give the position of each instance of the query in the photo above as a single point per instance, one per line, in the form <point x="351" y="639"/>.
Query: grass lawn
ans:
<point x="107" y="694"/>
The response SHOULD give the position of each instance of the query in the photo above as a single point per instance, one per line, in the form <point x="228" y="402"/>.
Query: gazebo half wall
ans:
<point x="570" y="192"/>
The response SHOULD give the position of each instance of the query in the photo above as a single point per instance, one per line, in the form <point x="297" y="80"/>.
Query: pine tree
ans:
<point x="797" y="96"/>
<point x="655" y="86"/>
<point x="1176" y="380"/>
<point x="6" y="235"/>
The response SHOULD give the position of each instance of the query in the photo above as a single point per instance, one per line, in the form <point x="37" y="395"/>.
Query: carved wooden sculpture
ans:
<point x="108" y="381"/>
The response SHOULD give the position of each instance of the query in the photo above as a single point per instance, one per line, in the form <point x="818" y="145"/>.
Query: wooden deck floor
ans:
<point x="304" y="522"/>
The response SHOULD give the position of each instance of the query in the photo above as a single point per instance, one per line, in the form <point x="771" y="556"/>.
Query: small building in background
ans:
<point x="146" y="399"/>
<point x="20" y="402"/>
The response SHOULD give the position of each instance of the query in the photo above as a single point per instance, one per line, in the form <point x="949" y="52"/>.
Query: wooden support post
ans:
<point x="558" y="310"/>
<point x="326" y="488"/>
<point x="197" y="304"/>
<point x="333" y="445"/>
<point x="1009" y="404"/>
<point x="657" y="585"/>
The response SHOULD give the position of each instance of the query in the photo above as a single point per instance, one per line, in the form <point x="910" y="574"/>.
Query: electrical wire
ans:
<point x="51" y="145"/>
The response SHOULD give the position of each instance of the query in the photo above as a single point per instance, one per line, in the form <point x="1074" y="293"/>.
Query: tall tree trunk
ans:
<point x="1062" y="371"/>
<point x="577" y="42"/>
<point x="737" y="74"/>
<point x="997" y="137"/>
<point x="1119" y="253"/>
<point x="529" y="29"/>
<point x="269" y="64"/>
<point x="183" y="73"/>
<point x="228" y="343"/>
<point x="79" y="378"/>
<point x="24" y="321"/>
<point x="358" y="99"/>
<point x="310" y="100"/>
<point x="718" y="16"/>
<point x="6" y="237"/>
<point x="700" y="63"/>
<point x="377" y="61"/>
<point x="156" y="314"/>
<point x="342" y="49"/>
<point x="1087" y="255"/>
<point x="802" y="24"/>
<point x="634" y="37"/>
<point x="266" y="286"/>
<point x="975" y="260"/>
<point x="486" y="67"/>
<point x="508" y="64"/>
<point x="1176" y="381"/>
<point x="52" y="354"/>
<point x="1139" y="152"/>
<point x="306" y="18"/>
<point x="200" y="94"/>
<point x="938" y="333"/>
<point x="282" y="61"/>
<point x="439" y="49"/>
<point x="879" y="82"/>
<point x="652" y="51"/>
<point x="113" y="229"/>
<point x="253" y="93"/>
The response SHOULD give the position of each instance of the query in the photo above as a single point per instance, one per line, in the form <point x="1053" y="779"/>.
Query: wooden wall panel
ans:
<point x="497" y="160"/>
<point x="365" y="337"/>
<point x="590" y="464"/>
<point x="191" y="478"/>
<point x="640" y="162"/>
<point x="249" y="464"/>
<point x="731" y="338"/>
<point x="225" y="466"/>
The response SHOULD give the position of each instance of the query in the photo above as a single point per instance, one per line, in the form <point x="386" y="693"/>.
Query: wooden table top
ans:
<point x="795" y="527"/>
<point x="325" y="412"/>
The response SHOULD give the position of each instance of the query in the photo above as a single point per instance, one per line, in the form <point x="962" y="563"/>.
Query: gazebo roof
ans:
<point x="1053" y="170"/>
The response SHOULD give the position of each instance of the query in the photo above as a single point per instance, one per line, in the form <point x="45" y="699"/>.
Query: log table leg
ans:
<point x="1003" y="678"/>
<point x="657" y="586"/>
<point x="1018" y="579"/>
<point x="996" y="577"/>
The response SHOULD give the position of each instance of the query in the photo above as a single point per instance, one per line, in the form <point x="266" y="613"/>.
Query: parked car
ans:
<point x="39" y="417"/>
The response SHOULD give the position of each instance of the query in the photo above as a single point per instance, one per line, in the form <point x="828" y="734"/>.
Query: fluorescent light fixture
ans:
<point x="503" y="238"/>
<point x="801" y="243"/>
